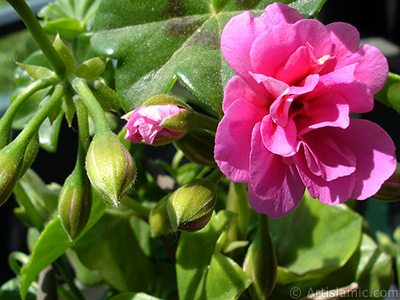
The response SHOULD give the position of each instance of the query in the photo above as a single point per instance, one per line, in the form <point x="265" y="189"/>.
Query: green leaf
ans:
<point x="66" y="27"/>
<point x="369" y="267"/>
<point x="390" y="93"/>
<point x="194" y="254"/>
<point x="68" y="17"/>
<point x="65" y="54"/>
<point x="49" y="133"/>
<point x="112" y="249"/>
<point x="37" y="72"/>
<point x="52" y="243"/>
<point x="134" y="296"/>
<point x="226" y="280"/>
<point x="309" y="244"/>
<point x="91" y="68"/>
<point x="156" y="42"/>
<point x="10" y="290"/>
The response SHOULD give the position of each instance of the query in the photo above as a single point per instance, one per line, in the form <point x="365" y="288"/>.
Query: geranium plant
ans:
<point x="247" y="106"/>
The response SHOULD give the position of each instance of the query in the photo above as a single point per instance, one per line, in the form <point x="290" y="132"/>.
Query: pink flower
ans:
<point x="286" y="124"/>
<point x="145" y="123"/>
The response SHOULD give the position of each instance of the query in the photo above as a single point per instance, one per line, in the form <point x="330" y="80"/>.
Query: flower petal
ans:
<point x="375" y="152"/>
<point x="345" y="37"/>
<point x="326" y="157"/>
<point x="233" y="139"/>
<point x="284" y="201"/>
<point x="372" y="67"/>
<point x="328" y="192"/>
<point x="278" y="139"/>
<point x="267" y="170"/>
<point x="237" y="88"/>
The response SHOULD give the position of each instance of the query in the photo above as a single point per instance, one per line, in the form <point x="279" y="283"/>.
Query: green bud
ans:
<point x="390" y="190"/>
<point x="11" y="162"/>
<point x="30" y="154"/>
<point x="260" y="262"/>
<point x="198" y="146"/>
<point x="74" y="203"/>
<point x="109" y="166"/>
<point x="159" y="220"/>
<point x="191" y="206"/>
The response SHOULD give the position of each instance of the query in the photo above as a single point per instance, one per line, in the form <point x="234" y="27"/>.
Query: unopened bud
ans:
<point x="390" y="190"/>
<point x="260" y="262"/>
<point x="11" y="162"/>
<point x="198" y="146"/>
<point x="159" y="121"/>
<point x="74" y="203"/>
<point x="159" y="220"/>
<point x="191" y="206"/>
<point x="109" y="166"/>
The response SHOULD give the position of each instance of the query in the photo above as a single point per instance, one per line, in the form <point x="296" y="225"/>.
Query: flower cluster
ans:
<point x="286" y="125"/>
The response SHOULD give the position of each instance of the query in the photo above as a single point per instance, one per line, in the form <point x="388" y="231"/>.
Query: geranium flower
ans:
<point x="160" y="120"/>
<point x="286" y="124"/>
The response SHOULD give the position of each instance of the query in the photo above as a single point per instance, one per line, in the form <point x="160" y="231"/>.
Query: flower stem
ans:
<point x="206" y="122"/>
<point x="92" y="104"/>
<point x="8" y="117"/>
<point x="135" y="206"/>
<point x="69" y="279"/>
<point x="215" y="176"/>
<point x="38" y="34"/>
<point x="49" y="104"/>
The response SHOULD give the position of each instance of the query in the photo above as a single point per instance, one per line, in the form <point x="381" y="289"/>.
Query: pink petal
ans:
<point x="233" y="139"/>
<point x="284" y="201"/>
<point x="375" y="152"/>
<point x="236" y="40"/>
<point x="372" y="67"/>
<point x="345" y="37"/>
<point x="277" y="139"/>
<point x="297" y="66"/>
<point x="314" y="33"/>
<point x="272" y="49"/>
<point x="326" y="110"/>
<point x="326" y="157"/>
<point x="273" y="86"/>
<point x="330" y="193"/>
<point x="277" y="13"/>
<point x="267" y="171"/>
<point x="237" y="88"/>
<point x="343" y="82"/>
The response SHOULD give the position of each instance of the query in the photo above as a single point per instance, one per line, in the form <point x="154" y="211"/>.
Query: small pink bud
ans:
<point x="161" y="120"/>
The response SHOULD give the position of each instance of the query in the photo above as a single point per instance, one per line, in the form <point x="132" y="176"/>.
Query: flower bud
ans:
<point x="198" y="146"/>
<point x="159" y="220"/>
<point x="161" y="120"/>
<point x="11" y="162"/>
<point x="260" y="262"/>
<point x="109" y="166"/>
<point x="390" y="190"/>
<point x="74" y="203"/>
<point x="191" y="206"/>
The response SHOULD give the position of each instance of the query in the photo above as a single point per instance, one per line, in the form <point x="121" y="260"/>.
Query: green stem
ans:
<point x="215" y="176"/>
<point x="176" y="161"/>
<point x="63" y="293"/>
<point x="15" y="258"/>
<point x="206" y="122"/>
<point x="8" y="117"/>
<point x="69" y="279"/>
<point x="39" y="36"/>
<point x="135" y="206"/>
<point x="92" y="104"/>
<point x="30" y="129"/>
